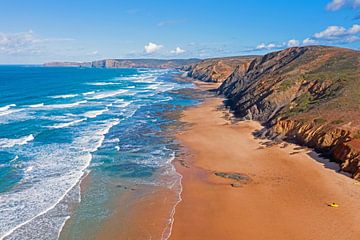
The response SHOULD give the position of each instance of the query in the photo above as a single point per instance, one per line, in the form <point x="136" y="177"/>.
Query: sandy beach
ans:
<point x="279" y="192"/>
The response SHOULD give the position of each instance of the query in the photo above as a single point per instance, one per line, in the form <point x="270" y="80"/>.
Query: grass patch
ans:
<point x="286" y="84"/>
<point x="356" y="136"/>
<point x="337" y="121"/>
<point x="319" y="121"/>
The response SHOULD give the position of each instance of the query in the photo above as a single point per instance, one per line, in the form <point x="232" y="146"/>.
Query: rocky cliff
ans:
<point x="218" y="69"/>
<point x="310" y="95"/>
<point x="127" y="63"/>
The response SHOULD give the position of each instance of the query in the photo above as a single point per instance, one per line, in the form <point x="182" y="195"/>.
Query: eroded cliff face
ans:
<point x="217" y="70"/>
<point x="336" y="143"/>
<point x="309" y="95"/>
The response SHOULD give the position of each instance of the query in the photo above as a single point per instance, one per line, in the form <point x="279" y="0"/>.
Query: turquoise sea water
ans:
<point x="59" y="124"/>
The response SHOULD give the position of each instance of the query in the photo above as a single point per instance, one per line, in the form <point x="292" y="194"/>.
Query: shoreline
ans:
<point x="274" y="198"/>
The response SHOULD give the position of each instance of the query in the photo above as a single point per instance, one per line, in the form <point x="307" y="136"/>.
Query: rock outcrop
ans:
<point x="309" y="95"/>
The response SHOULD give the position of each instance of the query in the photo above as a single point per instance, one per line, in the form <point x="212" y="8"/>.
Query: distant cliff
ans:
<point x="309" y="95"/>
<point x="127" y="63"/>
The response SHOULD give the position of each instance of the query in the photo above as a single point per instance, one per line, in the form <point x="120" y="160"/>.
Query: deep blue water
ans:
<point x="57" y="124"/>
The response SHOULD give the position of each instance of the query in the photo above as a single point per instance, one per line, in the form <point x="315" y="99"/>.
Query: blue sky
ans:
<point x="36" y="31"/>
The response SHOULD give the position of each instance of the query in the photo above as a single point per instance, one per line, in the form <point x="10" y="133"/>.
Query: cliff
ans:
<point x="127" y="63"/>
<point x="309" y="95"/>
<point x="218" y="69"/>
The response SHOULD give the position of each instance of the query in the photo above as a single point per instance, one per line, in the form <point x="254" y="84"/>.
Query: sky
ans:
<point x="38" y="31"/>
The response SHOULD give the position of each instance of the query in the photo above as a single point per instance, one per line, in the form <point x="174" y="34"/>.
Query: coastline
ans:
<point x="269" y="204"/>
<point x="285" y="195"/>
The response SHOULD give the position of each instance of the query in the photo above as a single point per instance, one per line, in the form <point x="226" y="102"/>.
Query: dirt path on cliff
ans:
<point x="262" y="192"/>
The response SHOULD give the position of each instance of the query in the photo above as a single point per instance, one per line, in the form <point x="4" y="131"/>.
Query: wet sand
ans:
<point x="285" y="194"/>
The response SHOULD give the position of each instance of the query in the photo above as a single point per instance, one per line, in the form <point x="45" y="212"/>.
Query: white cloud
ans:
<point x="24" y="43"/>
<point x="331" y="32"/>
<point x="152" y="47"/>
<point x="355" y="29"/>
<point x="339" y="34"/>
<point x="335" y="5"/>
<point x="263" y="46"/>
<point x="309" y="41"/>
<point x="331" y="35"/>
<point x="177" y="51"/>
<point x="293" y="43"/>
<point x="350" y="39"/>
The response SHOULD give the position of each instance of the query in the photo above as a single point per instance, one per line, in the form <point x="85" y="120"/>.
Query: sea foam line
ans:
<point x="102" y="95"/>
<point x="65" y="105"/>
<point x="67" y="124"/>
<point x="95" y="113"/>
<point x="64" y="96"/>
<point x="103" y="83"/>
<point x="36" y="105"/>
<point x="8" y="142"/>
<point x="7" y="107"/>
<point x="5" y="110"/>
<point x="168" y="230"/>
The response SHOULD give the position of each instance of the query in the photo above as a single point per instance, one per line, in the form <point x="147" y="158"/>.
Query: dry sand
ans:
<point x="286" y="198"/>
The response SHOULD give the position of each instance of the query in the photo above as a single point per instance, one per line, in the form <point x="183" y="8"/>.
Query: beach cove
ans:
<point x="284" y="192"/>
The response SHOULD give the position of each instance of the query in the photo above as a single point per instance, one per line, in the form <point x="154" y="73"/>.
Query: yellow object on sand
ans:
<point x="356" y="182"/>
<point x="334" y="205"/>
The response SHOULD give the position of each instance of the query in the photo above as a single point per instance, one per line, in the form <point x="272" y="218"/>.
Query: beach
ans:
<point x="235" y="186"/>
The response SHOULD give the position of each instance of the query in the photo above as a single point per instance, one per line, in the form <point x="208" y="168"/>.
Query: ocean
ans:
<point x="58" y="125"/>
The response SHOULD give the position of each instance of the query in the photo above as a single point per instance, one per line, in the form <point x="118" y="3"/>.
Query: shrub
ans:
<point x="356" y="135"/>
<point x="319" y="121"/>
<point x="337" y="121"/>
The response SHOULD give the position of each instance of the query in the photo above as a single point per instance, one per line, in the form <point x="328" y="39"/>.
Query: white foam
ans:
<point x="29" y="169"/>
<point x="66" y="124"/>
<point x="88" y="93"/>
<point x="114" y="140"/>
<point x="7" y="107"/>
<point x="8" y="142"/>
<point x="154" y="86"/>
<point x="95" y="113"/>
<point x="103" y="83"/>
<point x="102" y="95"/>
<point x="65" y="96"/>
<point x="36" y="105"/>
<point x="65" y="105"/>
<point x="6" y="110"/>
<point x="122" y="104"/>
<point x="56" y="170"/>
<point x="14" y="159"/>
